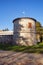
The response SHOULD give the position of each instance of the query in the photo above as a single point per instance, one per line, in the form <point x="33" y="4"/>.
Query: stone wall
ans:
<point x="6" y="39"/>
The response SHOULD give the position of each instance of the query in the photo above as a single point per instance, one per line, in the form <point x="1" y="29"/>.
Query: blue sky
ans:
<point x="11" y="9"/>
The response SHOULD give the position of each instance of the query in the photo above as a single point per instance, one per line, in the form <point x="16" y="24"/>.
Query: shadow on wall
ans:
<point x="18" y="39"/>
<point x="6" y="39"/>
<point x="17" y="28"/>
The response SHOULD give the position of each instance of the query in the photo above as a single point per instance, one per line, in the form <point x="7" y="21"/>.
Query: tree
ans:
<point x="39" y="31"/>
<point x="6" y="29"/>
<point x="38" y="27"/>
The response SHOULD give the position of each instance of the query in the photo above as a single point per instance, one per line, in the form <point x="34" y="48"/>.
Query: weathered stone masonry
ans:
<point x="24" y="31"/>
<point x="6" y="37"/>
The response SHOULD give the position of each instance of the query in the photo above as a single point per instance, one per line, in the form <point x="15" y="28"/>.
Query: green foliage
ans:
<point x="38" y="26"/>
<point x="38" y="48"/>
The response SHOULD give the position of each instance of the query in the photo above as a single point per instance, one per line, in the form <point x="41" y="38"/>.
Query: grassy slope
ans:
<point x="30" y="49"/>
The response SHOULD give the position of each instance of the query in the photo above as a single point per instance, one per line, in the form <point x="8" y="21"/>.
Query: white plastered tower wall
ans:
<point x="23" y="34"/>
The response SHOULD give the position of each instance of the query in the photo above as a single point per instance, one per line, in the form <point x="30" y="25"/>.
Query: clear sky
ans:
<point x="11" y="9"/>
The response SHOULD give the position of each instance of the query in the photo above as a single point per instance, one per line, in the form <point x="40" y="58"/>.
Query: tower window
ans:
<point x="29" y="25"/>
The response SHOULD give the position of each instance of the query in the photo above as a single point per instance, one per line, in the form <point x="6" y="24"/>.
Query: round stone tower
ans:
<point x="24" y="31"/>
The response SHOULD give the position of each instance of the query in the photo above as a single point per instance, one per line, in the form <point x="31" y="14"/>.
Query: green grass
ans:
<point x="28" y="49"/>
